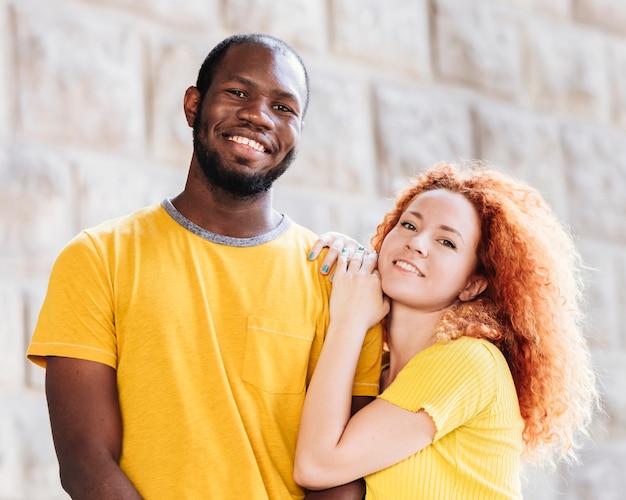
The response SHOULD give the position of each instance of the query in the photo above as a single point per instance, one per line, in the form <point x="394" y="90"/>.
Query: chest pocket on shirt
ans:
<point x="277" y="355"/>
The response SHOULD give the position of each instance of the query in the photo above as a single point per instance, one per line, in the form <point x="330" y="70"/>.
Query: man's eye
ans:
<point x="238" y="93"/>
<point x="283" y="108"/>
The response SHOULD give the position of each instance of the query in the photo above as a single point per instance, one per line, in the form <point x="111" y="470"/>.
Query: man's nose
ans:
<point x="258" y="112"/>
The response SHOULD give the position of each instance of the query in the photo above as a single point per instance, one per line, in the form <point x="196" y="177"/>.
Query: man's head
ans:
<point x="214" y="58"/>
<point x="247" y="113"/>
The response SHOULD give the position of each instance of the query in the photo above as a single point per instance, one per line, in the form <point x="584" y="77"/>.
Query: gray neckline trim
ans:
<point x="285" y="224"/>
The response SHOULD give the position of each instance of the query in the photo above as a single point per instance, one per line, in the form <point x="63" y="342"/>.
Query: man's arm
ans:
<point x="351" y="491"/>
<point x="87" y="429"/>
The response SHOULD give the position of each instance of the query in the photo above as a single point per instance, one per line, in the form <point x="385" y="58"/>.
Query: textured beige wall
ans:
<point x="91" y="126"/>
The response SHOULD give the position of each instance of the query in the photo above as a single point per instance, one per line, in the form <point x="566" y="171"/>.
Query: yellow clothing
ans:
<point x="466" y="387"/>
<point x="214" y="340"/>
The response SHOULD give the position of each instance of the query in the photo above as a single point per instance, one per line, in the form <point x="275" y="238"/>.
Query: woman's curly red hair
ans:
<point x="531" y="308"/>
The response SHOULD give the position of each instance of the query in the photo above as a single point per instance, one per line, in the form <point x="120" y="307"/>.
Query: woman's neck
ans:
<point x="409" y="333"/>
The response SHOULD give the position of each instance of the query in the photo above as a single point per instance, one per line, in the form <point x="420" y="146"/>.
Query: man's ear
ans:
<point x="190" y="104"/>
<point x="476" y="284"/>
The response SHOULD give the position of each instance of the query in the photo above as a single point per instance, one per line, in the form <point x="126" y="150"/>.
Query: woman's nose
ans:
<point x="418" y="244"/>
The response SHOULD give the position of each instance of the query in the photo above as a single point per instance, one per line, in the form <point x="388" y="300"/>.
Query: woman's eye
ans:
<point x="408" y="225"/>
<point x="447" y="243"/>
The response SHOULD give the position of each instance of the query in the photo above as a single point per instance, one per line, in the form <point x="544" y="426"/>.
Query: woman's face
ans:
<point x="427" y="261"/>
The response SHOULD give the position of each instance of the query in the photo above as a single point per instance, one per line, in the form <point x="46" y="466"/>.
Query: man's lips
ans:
<point x="245" y="141"/>
<point x="408" y="267"/>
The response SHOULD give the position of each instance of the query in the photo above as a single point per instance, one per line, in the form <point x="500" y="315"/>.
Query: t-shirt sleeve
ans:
<point x="453" y="382"/>
<point x="76" y="319"/>
<point x="367" y="376"/>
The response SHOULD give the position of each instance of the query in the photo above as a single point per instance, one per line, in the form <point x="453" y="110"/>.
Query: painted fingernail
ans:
<point x="360" y="249"/>
<point x="311" y="256"/>
<point x="324" y="268"/>
<point x="331" y="278"/>
<point x="344" y="249"/>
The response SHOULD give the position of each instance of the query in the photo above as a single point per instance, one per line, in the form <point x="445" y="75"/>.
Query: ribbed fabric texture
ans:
<point x="466" y="387"/>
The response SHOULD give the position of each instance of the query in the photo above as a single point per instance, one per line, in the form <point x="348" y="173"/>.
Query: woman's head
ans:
<point x="531" y="306"/>
<point x="507" y="212"/>
<point x="428" y="259"/>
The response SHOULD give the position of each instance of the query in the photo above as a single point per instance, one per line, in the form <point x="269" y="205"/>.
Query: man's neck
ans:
<point x="228" y="215"/>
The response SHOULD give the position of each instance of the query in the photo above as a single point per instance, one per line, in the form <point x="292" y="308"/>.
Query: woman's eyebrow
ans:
<point x="452" y="230"/>
<point x="444" y="227"/>
<point x="416" y="214"/>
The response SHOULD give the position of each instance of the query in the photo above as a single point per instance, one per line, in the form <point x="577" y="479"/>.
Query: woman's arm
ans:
<point x="332" y="448"/>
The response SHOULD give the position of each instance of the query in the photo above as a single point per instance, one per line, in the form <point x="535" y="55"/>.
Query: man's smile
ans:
<point x="251" y="143"/>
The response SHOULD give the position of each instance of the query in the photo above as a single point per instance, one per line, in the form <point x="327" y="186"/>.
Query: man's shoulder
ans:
<point x="127" y="222"/>
<point x="120" y="229"/>
<point x="300" y="231"/>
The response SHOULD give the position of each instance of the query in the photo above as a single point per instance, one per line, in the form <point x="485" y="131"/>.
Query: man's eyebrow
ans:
<point x="240" y="79"/>
<point x="276" y="92"/>
<point x="445" y="227"/>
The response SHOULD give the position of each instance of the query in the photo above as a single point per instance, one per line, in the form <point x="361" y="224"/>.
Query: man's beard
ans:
<point x="229" y="180"/>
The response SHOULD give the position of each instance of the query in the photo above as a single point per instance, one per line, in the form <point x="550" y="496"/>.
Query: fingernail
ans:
<point x="344" y="249"/>
<point x="324" y="268"/>
<point x="331" y="278"/>
<point x="311" y="256"/>
<point x="361" y="249"/>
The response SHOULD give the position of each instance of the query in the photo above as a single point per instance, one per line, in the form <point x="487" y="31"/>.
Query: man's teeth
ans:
<point x="408" y="267"/>
<point x="248" y="142"/>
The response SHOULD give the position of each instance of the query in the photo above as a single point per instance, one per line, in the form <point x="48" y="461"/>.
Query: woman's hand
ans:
<point x="335" y="242"/>
<point x="357" y="298"/>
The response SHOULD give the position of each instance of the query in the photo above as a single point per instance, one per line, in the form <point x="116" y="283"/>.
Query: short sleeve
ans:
<point x="454" y="382"/>
<point x="367" y="377"/>
<point x="76" y="319"/>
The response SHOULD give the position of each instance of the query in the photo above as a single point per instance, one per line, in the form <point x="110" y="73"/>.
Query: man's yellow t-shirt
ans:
<point x="214" y="340"/>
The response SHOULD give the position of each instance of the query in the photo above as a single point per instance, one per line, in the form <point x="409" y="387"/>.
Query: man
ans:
<point x="179" y="340"/>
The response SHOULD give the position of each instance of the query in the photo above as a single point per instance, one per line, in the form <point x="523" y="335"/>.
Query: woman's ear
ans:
<point x="476" y="284"/>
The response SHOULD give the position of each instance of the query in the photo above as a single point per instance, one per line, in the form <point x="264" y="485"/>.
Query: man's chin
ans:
<point x="241" y="178"/>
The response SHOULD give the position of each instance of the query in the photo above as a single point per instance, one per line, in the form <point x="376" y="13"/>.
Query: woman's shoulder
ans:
<point x="468" y="351"/>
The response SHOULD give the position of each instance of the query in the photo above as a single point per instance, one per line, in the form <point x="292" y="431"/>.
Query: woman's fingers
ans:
<point x="370" y="263"/>
<point x="334" y="252"/>
<point x="335" y="242"/>
<point x="356" y="260"/>
<point x="363" y="261"/>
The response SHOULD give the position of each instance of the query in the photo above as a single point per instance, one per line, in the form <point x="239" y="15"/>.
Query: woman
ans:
<point x="479" y="287"/>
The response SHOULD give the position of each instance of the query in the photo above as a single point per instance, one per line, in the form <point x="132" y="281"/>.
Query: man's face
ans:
<point x="247" y="128"/>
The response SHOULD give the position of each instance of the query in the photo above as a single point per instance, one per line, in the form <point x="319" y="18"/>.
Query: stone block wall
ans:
<point x="91" y="126"/>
